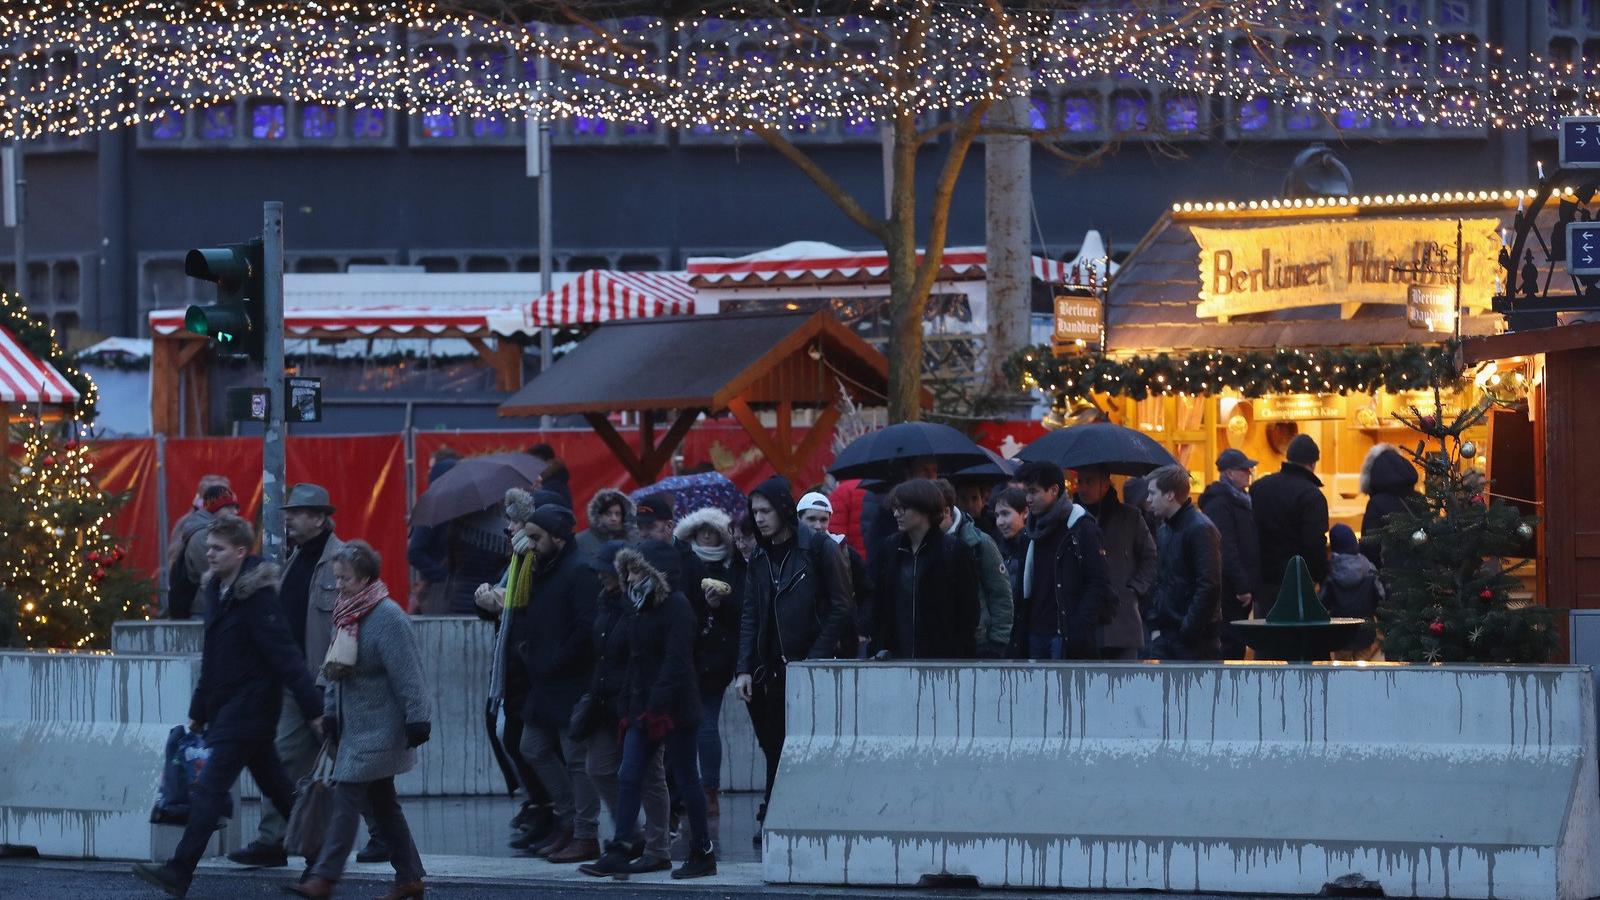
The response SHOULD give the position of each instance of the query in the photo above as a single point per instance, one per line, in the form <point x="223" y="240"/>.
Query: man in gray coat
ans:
<point x="307" y="592"/>
<point x="1130" y="560"/>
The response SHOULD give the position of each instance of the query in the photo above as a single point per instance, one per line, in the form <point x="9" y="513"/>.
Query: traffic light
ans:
<point x="236" y="321"/>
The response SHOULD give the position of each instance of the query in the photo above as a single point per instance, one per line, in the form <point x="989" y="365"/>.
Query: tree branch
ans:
<point x="830" y="188"/>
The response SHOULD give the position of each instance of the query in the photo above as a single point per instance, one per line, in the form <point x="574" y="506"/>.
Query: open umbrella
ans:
<point x="698" y="491"/>
<point x="475" y="484"/>
<point x="1124" y="451"/>
<point x="998" y="468"/>
<point x="875" y="455"/>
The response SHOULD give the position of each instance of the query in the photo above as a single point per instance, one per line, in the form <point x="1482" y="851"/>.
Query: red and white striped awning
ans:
<point x="807" y="262"/>
<point x="366" y="321"/>
<point x="24" y="378"/>
<point x="601" y="295"/>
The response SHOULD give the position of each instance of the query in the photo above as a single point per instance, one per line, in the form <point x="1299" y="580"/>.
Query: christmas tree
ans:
<point x="1447" y="568"/>
<point x="60" y="582"/>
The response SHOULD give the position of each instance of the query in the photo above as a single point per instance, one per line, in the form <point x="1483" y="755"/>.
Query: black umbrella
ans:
<point x="998" y="468"/>
<point x="875" y="455"/>
<point x="475" y="484"/>
<point x="1121" y="450"/>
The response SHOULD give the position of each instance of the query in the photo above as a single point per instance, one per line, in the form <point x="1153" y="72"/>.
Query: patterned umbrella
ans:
<point x="692" y="492"/>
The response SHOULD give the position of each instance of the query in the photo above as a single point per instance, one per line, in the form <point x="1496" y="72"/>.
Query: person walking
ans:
<point x="1390" y="483"/>
<point x="375" y="713"/>
<point x="479" y="550"/>
<point x="926" y="583"/>
<point x="1130" y="561"/>
<point x="816" y="512"/>
<point x="1064" y="572"/>
<point x="610" y="519"/>
<point x="428" y="549"/>
<point x="716" y="649"/>
<point x="996" y="610"/>
<point x="1227" y="503"/>
<point x="555" y="643"/>
<point x="1291" y="515"/>
<point x="308" y="594"/>
<point x="1187" y="611"/>
<point x="189" y="565"/>
<point x="603" y="708"/>
<point x="1011" y="536"/>
<point x="555" y="476"/>
<point x="249" y="663"/>
<point x="661" y="710"/>
<point x="796" y="606"/>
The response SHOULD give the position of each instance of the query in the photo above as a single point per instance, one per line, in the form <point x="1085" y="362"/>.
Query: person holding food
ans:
<point x="708" y="534"/>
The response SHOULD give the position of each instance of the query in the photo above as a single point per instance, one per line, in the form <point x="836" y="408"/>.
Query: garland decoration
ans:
<point x="39" y="339"/>
<point x="1250" y="374"/>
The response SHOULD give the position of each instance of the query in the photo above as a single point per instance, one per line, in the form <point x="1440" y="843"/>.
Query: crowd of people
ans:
<point x="615" y="645"/>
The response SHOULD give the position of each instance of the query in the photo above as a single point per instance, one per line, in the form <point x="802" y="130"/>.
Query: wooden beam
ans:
<point x="619" y="447"/>
<point x="820" y="431"/>
<point x="188" y="350"/>
<point x="647" y="433"/>
<point x="785" y="423"/>
<point x="504" y="359"/>
<point x="652" y="462"/>
<point x="165" y="377"/>
<point x="778" y="456"/>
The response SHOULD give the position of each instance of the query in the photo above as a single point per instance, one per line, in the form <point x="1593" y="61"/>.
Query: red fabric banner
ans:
<point x="130" y="466"/>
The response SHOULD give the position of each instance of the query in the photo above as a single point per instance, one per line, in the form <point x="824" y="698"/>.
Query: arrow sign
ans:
<point x="1581" y="256"/>
<point x="1577" y="151"/>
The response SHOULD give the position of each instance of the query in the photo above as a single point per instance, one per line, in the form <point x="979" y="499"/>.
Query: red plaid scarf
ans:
<point x="349" y="609"/>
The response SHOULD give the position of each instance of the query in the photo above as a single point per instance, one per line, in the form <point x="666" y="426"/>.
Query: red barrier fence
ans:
<point x="366" y="477"/>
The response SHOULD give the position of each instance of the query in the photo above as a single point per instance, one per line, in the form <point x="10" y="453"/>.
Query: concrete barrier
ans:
<point x="1460" y="781"/>
<point x="82" y="743"/>
<point x="456" y="652"/>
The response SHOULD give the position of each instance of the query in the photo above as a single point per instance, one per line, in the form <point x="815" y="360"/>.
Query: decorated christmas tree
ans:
<point x="1450" y="569"/>
<point x="61" y="585"/>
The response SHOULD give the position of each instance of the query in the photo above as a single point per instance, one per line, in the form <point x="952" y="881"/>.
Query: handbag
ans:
<point x="186" y="757"/>
<point x="341" y="657"/>
<point x="313" y="809"/>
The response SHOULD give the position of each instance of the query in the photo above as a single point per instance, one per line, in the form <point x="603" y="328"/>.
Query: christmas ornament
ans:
<point x="1475" y="634"/>
<point x="1486" y="594"/>
<point x="1429" y="423"/>
<point x="1469" y="450"/>
<point x="48" y="460"/>
<point x="1436" y="627"/>
<point x="1432" y="655"/>
<point x="1525" y="531"/>
<point x="1419" y="537"/>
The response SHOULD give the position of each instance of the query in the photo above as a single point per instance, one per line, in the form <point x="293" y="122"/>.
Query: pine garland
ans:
<point x="39" y="339"/>
<point x="1252" y="374"/>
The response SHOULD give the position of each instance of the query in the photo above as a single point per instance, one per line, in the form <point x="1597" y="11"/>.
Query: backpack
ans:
<point x="185" y="758"/>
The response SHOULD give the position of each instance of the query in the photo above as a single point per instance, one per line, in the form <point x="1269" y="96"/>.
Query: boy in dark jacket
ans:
<point x="1064" y="573"/>
<point x="1352" y="589"/>
<point x="926" y="583"/>
<point x="250" y="658"/>
<point x="1187" y="610"/>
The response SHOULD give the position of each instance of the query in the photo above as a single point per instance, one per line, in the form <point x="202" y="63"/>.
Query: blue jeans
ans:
<point x="1044" y="646"/>
<point x="679" y="748"/>
<point x="710" y="740"/>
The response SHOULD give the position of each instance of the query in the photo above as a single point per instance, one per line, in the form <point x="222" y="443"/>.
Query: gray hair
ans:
<point x="364" y="561"/>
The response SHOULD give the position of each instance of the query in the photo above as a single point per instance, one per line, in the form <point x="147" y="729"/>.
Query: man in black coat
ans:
<point x="796" y="606"/>
<point x="926" y="583"/>
<point x="1064" y="573"/>
<point x="1291" y="516"/>
<point x="554" y="640"/>
<point x="1186" y="613"/>
<point x="1228" y="506"/>
<point x="249" y="659"/>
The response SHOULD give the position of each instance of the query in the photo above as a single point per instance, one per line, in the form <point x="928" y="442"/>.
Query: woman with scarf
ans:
<point x="661" y="709"/>
<point x="375" y="710"/>
<point x="716" y="648"/>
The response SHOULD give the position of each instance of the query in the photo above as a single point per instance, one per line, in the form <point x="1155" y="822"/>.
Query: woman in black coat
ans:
<point x="1390" y="484"/>
<point x="707" y="533"/>
<point x="661" y="707"/>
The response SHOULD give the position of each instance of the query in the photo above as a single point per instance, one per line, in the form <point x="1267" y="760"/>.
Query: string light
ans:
<point x="82" y="66"/>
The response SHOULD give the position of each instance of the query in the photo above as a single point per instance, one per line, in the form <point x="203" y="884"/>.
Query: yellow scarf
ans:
<point x="519" y="580"/>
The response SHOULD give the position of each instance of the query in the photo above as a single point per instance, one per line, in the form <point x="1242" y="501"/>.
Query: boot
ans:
<point x="761" y="818"/>
<point x="164" y="877"/>
<point x="647" y="864"/>
<point x="613" y="864"/>
<point x="553" y="844"/>
<point x="376" y="851"/>
<point x="314" y="887"/>
<point x="579" y="850"/>
<point x="406" y="891"/>
<point x="701" y="862"/>
<point x="258" y="855"/>
<point x="536" y="828"/>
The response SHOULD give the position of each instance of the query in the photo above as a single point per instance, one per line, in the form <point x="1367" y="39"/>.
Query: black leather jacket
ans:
<point x="1188" y="598"/>
<point x="805" y="580"/>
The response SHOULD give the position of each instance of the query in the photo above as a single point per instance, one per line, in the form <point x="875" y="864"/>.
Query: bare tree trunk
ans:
<point x="906" y="308"/>
<point x="1008" y="199"/>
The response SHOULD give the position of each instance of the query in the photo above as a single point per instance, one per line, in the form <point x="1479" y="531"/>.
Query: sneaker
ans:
<point x="613" y="863"/>
<point x="258" y="855"/>
<point x="699" y="864"/>
<point x="162" y="877"/>
<point x="646" y="864"/>
<point x="375" y="851"/>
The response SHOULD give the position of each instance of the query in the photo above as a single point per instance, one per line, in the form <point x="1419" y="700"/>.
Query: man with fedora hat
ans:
<point x="307" y="592"/>
<point x="1227" y="503"/>
<point x="1291" y="516"/>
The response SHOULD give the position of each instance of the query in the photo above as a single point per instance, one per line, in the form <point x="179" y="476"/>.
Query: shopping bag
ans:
<point x="313" y="809"/>
<point x="185" y="758"/>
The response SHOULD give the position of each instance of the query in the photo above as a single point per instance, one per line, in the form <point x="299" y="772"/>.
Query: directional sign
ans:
<point x="1580" y="142"/>
<point x="1583" y="248"/>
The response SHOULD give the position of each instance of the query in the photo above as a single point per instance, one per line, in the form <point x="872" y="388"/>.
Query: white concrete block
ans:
<point x="158" y="636"/>
<point x="1435" y="781"/>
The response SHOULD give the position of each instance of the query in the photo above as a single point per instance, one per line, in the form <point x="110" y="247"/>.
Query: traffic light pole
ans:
<point x="272" y="451"/>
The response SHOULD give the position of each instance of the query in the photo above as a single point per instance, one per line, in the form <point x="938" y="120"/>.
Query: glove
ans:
<point x="330" y="729"/>
<point x="520" y="542"/>
<point x="656" y="726"/>
<point x="417" y="733"/>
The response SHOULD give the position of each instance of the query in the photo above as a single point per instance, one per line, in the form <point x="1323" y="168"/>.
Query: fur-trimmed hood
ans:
<point x="631" y="559"/>
<point x="710" y="517"/>
<point x="604" y="498"/>
<point x="256" y="574"/>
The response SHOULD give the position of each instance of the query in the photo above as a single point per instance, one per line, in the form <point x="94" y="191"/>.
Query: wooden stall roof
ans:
<point x="1577" y="336"/>
<point x="1151" y="302"/>
<point x="706" y="362"/>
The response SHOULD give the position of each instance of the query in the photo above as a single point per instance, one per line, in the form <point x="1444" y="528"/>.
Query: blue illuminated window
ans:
<point x="167" y="125"/>
<point x="219" y="123"/>
<point x="269" y="121"/>
<point x="318" y="122"/>
<point x="1130" y="112"/>
<point x="1182" y="113"/>
<point x="1255" y="114"/>
<point x="369" y="124"/>
<point x="1081" y="113"/>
